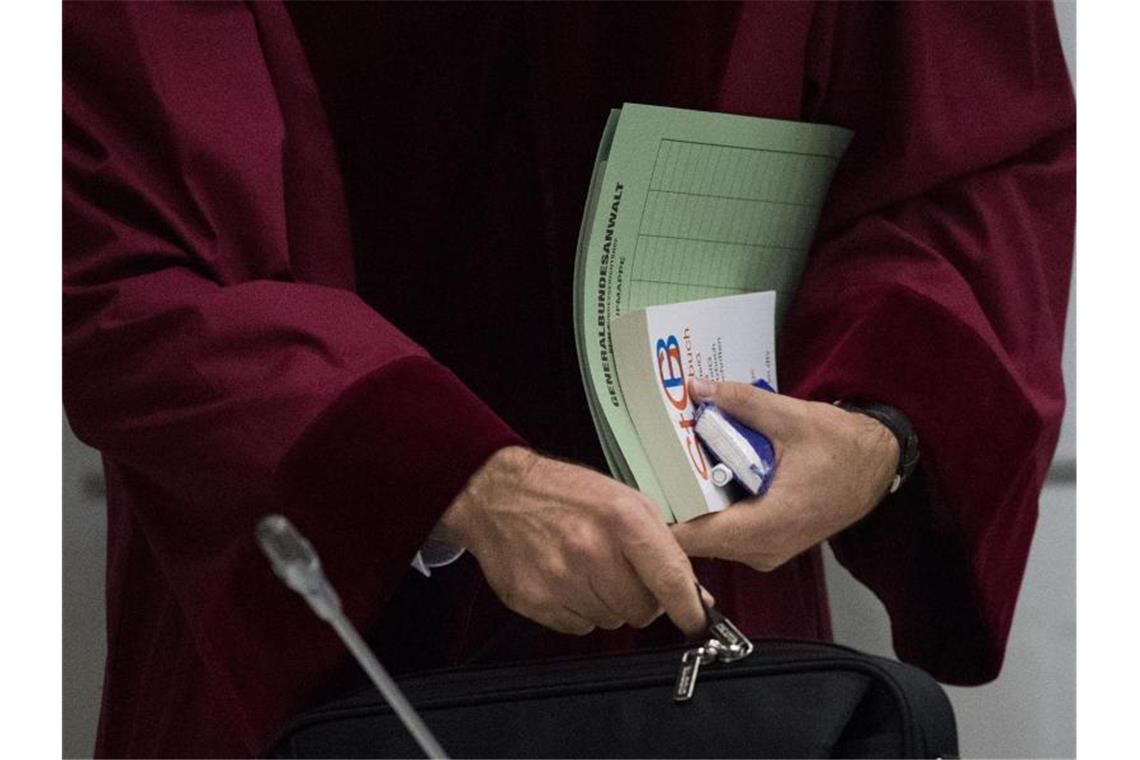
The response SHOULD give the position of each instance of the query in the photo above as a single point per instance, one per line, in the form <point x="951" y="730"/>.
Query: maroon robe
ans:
<point x="322" y="265"/>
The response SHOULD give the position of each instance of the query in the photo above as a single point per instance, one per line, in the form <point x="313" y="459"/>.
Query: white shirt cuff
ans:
<point x="436" y="552"/>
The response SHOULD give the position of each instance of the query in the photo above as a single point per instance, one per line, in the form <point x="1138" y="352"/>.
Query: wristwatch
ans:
<point x="899" y="425"/>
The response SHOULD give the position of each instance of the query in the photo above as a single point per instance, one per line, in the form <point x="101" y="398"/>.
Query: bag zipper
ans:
<point x="645" y="673"/>
<point x="725" y="644"/>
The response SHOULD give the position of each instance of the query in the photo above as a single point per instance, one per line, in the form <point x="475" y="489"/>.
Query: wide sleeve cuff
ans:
<point x="944" y="554"/>
<point x="380" y="466"/>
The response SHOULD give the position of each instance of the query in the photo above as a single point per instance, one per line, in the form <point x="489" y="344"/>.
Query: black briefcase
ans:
<point x="786" y="699"/>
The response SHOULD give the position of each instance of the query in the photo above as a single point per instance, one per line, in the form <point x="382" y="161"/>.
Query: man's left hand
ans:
<point x="833" y="467"/>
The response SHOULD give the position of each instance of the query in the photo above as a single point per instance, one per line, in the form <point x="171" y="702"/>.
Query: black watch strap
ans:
<point x="899" y="425"/>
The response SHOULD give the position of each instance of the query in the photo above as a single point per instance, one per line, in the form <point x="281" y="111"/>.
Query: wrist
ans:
<point x="884" y="448"/>
<point x="460" y="521"/>
<point x="904" y="454"/>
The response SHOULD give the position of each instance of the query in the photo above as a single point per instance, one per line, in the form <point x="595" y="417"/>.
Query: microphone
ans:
<point x="295" y="562"/>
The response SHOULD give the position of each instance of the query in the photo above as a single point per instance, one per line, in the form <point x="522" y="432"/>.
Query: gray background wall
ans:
<point x="1030" y="711"/>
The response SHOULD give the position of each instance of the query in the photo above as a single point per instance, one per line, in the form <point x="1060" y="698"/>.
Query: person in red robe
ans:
<point x="318" y="260"/>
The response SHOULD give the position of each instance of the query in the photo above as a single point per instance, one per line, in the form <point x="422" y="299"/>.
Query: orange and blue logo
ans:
<point x="671" y="371"/>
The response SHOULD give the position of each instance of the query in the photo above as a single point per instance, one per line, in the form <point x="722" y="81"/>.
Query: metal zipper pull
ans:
<point x="737" y="646"/>
<point x="691" y="662"/>
<point x="725" y="644"/>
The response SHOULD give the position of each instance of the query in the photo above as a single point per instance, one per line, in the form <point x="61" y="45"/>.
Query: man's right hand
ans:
<point x="571" y="548"/>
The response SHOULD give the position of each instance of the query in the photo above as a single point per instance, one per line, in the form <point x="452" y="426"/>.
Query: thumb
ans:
<point x="768" y="412"/>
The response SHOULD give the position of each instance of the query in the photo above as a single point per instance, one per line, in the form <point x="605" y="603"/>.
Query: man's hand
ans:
<point x="833" y="467"/>
<point x="570" y="548"/>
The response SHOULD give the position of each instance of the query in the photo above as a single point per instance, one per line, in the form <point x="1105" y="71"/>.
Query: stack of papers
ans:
<point x="657" y="350"/>
<point x="685" y="205"/>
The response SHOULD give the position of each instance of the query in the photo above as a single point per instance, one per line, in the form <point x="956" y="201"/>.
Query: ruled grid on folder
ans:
<point x="722" y="219"/>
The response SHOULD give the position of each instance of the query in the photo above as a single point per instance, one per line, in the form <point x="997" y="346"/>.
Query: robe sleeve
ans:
<point x="939" y="284"/>
<point x="214" y="351"/>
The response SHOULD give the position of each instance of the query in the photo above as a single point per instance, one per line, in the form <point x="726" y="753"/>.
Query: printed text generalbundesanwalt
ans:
<point x="603" y="284"/>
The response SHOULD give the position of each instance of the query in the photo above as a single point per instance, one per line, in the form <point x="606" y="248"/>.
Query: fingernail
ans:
<point x="701" y="388"/>
<point x="710" y="600"/>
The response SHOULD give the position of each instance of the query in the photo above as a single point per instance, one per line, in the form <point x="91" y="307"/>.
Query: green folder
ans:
<point x="686" y="205"/>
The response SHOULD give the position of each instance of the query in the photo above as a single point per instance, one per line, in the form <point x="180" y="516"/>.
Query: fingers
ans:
<point x="531" y="602"/>
<point x="565" y="620"/>
<point x="731" y="533"/>
<point x="711" y="535"/>
<point x="594" y="607"/>
<point x="621" y="590"/>
<point x="662" y="566"/>
<point x="761" y="535"/>
<point x="572" y="549"/>
<point x="768" y="412"/>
